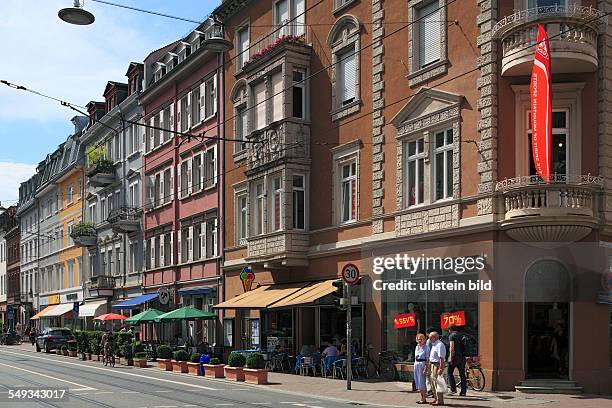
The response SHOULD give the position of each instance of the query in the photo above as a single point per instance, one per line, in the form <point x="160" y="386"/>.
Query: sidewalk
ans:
<point x="396" y="394"/>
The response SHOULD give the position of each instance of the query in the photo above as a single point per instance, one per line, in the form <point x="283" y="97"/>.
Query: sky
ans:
<point x="72" y="63"/>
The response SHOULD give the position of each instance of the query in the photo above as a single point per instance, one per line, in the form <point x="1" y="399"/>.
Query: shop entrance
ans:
<point x="547" y="320"/>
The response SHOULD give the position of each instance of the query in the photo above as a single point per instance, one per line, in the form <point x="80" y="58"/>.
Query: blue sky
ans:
<point x="71" y="63"/>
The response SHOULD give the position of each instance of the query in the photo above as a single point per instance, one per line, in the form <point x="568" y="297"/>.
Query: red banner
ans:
<point x="541" y="107"/>
<point x="456" y="318"/>
<point x="404" y="320"/>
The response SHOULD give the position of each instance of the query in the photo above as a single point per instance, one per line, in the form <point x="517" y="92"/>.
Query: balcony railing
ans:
<point x="563" y="210"/>
<point x="26" y="297"/>
<point x="84" y="234"/>
<point x="101" y="286"/>
<point x="290" y="33"/>
<point x="101" y="173"/>
<point x="572" y="32"/>
<point x="125" y="219"/>
<point x="277" y="141"/>
<point x="287" y="248"/>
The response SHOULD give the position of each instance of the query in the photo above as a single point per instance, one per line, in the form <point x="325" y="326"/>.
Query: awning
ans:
<point x="135" y="301"/>
<point x="59" y="310"/>
<point x="308" y="294"/>
<point x="262" y="297"/>
<point x="195" y="291"/>
<point x="89" y="309"/>
<point x="43" y="312"/>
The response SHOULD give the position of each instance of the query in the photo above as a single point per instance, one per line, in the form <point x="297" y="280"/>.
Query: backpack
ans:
<point x="470" y="346"/>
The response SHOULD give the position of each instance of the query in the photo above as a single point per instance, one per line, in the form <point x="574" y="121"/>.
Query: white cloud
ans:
<point x="11" y="176"/>
<point x="69" y="62"/>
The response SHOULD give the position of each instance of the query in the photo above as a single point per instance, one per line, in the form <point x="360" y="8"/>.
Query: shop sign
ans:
<point x="404" y="320"/>
<point x="350" y="274"/>
<point x="164" y="296"/>
<point x="54" y="299"/>
<point x="456" y="318"/>
<point x="71" y="297"/>
<point x="247" y="277"/>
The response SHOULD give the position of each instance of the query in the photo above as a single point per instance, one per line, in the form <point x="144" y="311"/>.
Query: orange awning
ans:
<point x="262" y="297"/>
<point x="308" y="294"/>
<point x="43" y="312"/>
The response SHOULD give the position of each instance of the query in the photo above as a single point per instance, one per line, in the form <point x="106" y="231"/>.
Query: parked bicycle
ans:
<point x="385" y="368"/>
<point x="474" y="375"/>
<point x="109" y="356"/>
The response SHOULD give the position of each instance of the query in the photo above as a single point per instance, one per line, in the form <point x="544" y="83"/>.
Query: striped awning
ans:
<point x="43" y="312"/>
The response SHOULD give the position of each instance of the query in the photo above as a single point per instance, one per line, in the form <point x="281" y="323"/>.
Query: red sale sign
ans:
<point x="456" y="318"/>
<point x="404" y="320"/>
<point x="541" y="107"/>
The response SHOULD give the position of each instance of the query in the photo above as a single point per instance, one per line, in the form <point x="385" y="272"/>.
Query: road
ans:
<point x="90" y="384"/>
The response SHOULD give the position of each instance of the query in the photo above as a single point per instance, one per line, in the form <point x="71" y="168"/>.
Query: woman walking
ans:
<point x="421" y="366"/>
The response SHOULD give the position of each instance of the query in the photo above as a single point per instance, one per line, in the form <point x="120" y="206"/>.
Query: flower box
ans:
<point x="256" y="376"/>
<point x="179" y="366"/>
<point x="164" y="364"/>
<point x="214" y="370"/>
<point x="231" y="373"/>
<point x="193" y="368"/>
<point x="140" y="362"/>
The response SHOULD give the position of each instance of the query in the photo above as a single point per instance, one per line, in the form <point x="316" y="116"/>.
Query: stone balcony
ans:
<point x="84" y="234"/>
<point x="101" y="286"/>
<point x="545" y="215"/>
<point x="125" y="220"/>
<point x="26" y="297"/>
<point x="572" y="32"/>
<point x="281" y="141"/>
<point x="280" y="249"/>
<point x="101" y="173"/>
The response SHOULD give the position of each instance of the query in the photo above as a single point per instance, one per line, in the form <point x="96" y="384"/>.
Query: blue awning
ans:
<point x="136" y="301"/>
<point x="195" y="291"/>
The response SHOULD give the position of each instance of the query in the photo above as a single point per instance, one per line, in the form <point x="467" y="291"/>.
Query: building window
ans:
<point x="285" y="11"/>
<point x="184" y="113"/>
<point x="70" y="273"/>
<point x="428" y="17"/>
<point x="241" y="128"/>
<point x="242" y="217"/>
<point x="277" y="96"/>
<point x="196" y="104"/>
<point x="210" y="167"/>
<point x="546" y="3"/>
<point x="259" y="105"/>
<point x="134" y="194"/>
<point x="242" y="47"/>
<point x="348" y="191"/>
<point x="168" y="125"/>
<point x="443" y="164"/>
<point x="560" y="137"/>
<point x="299" y="202"/>
<point x="260" y="215"/>
<point x="277" y="203"/>
<point x="344" y="40"/>
<point x="228" y="332"/>
<point x="196" y="168"/>
<point x="211" y="238"/>
<point x="210" y="97"/>
<point x="415" y="173"/>
<point x="69" y="194"/>
<point x="299" y="96"/>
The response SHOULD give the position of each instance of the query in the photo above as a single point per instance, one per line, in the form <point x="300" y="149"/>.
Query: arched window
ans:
<point x="239" y="96"/>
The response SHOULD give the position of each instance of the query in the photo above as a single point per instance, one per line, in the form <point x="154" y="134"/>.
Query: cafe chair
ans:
<point x="338" y="371"/>
<point x="307" y="366"/>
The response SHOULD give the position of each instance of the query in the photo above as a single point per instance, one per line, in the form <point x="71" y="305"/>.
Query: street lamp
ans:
<point x="76" y="15"/>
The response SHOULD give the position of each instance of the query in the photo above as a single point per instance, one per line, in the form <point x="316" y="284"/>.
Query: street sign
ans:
<point x="164" y="296"/>
<point x="350" y="274"/>
<point x="75" y="309"/>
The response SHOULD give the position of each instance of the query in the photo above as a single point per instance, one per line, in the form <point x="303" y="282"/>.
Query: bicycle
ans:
<point x="385" y="368"/>
<point x="474" y="376"/>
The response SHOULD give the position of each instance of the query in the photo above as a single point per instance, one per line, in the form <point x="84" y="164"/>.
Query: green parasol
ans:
<point x="148" y="316"/>
<point x="186" y="313"/>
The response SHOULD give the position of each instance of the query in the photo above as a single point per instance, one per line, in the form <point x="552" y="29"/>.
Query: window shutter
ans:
<point x="348" y="68"/>
<point x="259" y="105"/>
<point x="178" y="181"/>
<point x="161" y="250"/>
<point x="151" y="133"/>
<point x="188" y="110"/>
<point x="244" y="45"/>
<point x="429" y="33"/>
<point x="277" y="96"/>
<point x="172" y="117"/>
<point x="202" y="171"/>
<point x="172" y="248"/>
<point x="190" y="243"/>
<point x="203" y="239"/>
<point x="214" y="164"/>
<point x="180" y="247"/>
<point x="152" y="245"/>
<point x="244" y="124"/>
<point x="172" y="183"/>
<point x="214" y="234"/>
<point x="189" y="176"/>
<point x="162" y="133"/>
<point x="151" y="191"/>
<point x="215" y="98"/>
<point x="162" y="199"/>
<point x="145" y="254"/>
<point x="203" y="100"/>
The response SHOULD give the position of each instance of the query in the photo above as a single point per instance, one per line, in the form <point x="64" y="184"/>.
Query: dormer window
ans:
<point x="185" y="52"/>
<point x="161" y="71"/>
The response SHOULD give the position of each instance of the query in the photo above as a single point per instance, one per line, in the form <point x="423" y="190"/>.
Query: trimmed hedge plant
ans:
<point x="256" y="361"/>
<point x="164" y="352"/>
<point x="236" y="360"/>
<point x="180" y="355"/>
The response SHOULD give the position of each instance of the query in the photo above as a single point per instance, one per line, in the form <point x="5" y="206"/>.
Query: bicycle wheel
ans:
<point x="387" y="371"/>
<point x="475" y="378"/>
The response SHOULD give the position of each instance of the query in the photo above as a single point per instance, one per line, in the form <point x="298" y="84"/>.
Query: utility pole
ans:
<point x="349" y="332"/>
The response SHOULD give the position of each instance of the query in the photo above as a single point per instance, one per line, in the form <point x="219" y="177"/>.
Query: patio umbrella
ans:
<point x="110" y="316"/>
<point x="186" y="313"/>
<point x="148" y="316"/>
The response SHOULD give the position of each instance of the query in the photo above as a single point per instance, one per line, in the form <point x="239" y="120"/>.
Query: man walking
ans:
<point x="437" y="355"/>
<point x="456" y="359"/>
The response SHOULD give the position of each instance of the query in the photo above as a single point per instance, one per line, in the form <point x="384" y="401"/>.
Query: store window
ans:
<point x="228" y="332"/>
<point x="250" y="333"/>
<point x="278" y="329"/>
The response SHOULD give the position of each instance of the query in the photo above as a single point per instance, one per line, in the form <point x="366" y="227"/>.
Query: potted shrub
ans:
<point x="94" y="344"/>
<point x="255" y="373"/>
<point x="65" y="350"/>
<point x="193" y="366"/>
<point x="140" y="359"/>
<point x="179" y="362"/>
<point x="214" y="368"/>
<point x="164" y="354"/>
<point x="234" y="369"/>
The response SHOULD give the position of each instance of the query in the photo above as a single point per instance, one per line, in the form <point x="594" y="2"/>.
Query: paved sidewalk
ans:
<point x="396" y="394"/>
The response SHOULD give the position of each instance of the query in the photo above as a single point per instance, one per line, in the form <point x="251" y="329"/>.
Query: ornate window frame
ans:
<point x="417" y="75"/>
<point x="239" y="97"/>
<point x="344" y="35"/>
<point x="341" y="154"/>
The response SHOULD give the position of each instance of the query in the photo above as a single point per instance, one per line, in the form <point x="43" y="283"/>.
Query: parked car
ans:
<point x="53" y="338"/>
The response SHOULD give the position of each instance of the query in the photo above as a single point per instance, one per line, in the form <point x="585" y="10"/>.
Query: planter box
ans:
<point x="231" y="373"/>
<point x="179" y="366"/>
<point x="253" y="376"/>
<point x="58" y="352"/>
<point x="64" y="352"/>
<point x="72" y="353"/>
<point x="118" y="360"/>
<point x="99" y="357"/>
<point x="88" y="356"/>
<point x="214" y="370"/>
<point x="128" y="362"/>
<point x="140" y="362"/>
<point x="164" y="364"/>
<point x="193" y="368"/>
<point x="82" y="356"/>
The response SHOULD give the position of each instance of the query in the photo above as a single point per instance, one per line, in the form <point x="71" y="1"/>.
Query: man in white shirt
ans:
<point x="330" y="351"/>
<point x="437" y="356"/>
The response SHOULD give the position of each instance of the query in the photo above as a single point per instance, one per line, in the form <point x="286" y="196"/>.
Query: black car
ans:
<point x="53" y="338"/>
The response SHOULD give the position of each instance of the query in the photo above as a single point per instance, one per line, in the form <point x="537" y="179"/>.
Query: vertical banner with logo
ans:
<point x="541" y="107"/>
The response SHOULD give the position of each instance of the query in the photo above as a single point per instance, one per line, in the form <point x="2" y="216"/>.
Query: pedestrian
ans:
<point x="456" y="360"/>
<point x="421" y="366"/>
<point x="437" y="355"/>
<point x="559" y="347"/>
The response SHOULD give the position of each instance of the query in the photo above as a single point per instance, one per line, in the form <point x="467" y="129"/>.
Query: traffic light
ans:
<point x="338" y="295"/>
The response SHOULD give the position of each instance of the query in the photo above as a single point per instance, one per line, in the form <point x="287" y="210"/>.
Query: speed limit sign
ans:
<point x="350" y="274"/>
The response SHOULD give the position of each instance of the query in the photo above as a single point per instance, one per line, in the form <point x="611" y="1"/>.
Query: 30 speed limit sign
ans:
<point x="350" y="274"/>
